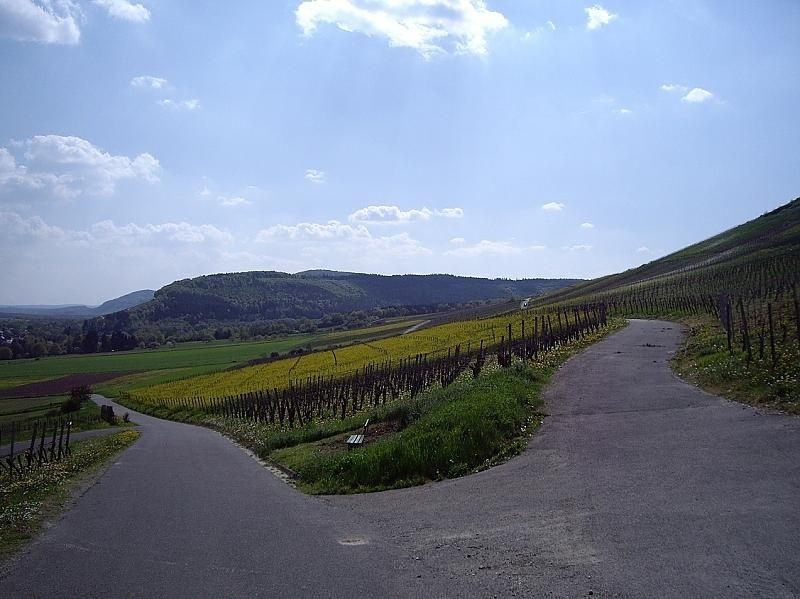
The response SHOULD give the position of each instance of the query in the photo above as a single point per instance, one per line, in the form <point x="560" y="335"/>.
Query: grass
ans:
<point x="25" y="407"/>
<point x="150" y="367"/>
<point x="216" y="354"/>
<point x="84" y="419"/>
<point x="466" y="427"/>
<point x="28" y="502"/>
<point x="469" y="425"/>
<point x="704" y="360"/>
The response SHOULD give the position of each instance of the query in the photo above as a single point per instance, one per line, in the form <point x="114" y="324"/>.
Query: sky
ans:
<point x="145" y="142"/>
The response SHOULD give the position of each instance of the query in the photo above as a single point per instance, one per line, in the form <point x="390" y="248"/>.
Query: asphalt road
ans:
<point x="636" y="485"/>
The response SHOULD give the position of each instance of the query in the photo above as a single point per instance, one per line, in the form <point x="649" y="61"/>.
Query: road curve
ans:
<point x="636" y="485"/>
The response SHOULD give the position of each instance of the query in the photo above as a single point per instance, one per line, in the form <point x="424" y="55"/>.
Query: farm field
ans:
<point x="113" y="373"/>
<point x="434" y="341"/>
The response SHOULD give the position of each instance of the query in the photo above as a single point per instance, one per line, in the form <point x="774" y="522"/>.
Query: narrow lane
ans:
<point x="186" y="513"/>
<point x="637" y="485"/>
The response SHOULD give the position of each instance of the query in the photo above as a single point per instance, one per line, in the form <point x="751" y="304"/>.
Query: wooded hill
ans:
<point x="267" y="295"/>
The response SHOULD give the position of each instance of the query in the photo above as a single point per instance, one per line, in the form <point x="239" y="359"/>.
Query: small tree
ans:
<point x="6" y="353"/>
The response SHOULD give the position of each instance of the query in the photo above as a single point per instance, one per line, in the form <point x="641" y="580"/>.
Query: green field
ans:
<point x="151" y="367"/>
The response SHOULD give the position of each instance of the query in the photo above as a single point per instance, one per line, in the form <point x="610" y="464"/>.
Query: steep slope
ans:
<point x="767" y="242"/>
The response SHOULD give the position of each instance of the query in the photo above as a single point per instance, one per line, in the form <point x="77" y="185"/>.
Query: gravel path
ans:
<point x="636" y="485"/>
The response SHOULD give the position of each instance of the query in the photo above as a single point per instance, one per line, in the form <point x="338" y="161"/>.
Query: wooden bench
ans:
<point x="357" y="440"/>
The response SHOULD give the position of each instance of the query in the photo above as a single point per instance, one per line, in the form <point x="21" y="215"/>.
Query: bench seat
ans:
<point x="355" y="440"/>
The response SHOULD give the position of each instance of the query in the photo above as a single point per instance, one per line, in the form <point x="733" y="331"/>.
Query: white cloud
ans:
<point x="314" y="176"/>
<point x="125" y="11"/>
<point x="306" y="231"/>
<point x="537" y="33"/>
<point x="322" y="240"/>
<point x="492" y="247"/>
<point x="430" y="27"/>
<point x="450" y="212"/>
<point x="230" y="202"/>
<point x="624" y="111"/>
<point x="108" y="232"/>
<point x="674" y="87"/>
<point x="70" y="166"/>
<point x="46" y="21"/>
<point x="191" y="104"/>
<point x="394" y="215"/>
<point x="389" y="214"/>
<point x="458" y="240"/>
<point x="597" y="17"/>
<point x="587" y="226"/>
<point x="579" y="248"/>
<point x="643" y="249"/>
<point x="34" y="227"/>
<point x="697" y="95"/>
<point x="553" y="207"/>
<point x="148" y="81"/>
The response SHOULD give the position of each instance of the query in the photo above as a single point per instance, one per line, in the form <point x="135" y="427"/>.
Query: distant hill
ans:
<point x="269" y="295"/>
<point x="772" y="239"/>
<point x="124" y="302"/>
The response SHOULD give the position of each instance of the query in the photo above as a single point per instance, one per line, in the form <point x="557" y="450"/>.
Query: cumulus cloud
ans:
<point x="430" y="27"/>
<point x="674" y="87"/>
<point x="148" y="82"/>
<point x="579" y="248"/>
<point x="69" y="166"/>
<point x="458" y="240"/>
<point x="12" y="224"/>
<point x="182" y="232"/>
<point x="553" y="207"/>
<point x="47" y="22"/>
<point x="643" y="249"/>
<point x="337" y="238"/>
<point x="308" y="231"/>
<point x="597" y="17"/>
<point x="587" y="226"/>
<point x="492" y="247"/>
<point x="191" y="104"/>
<point x="107" y="232"/>
<point x="314" y="176"/>
<point x="450" y="212"/>
<point x="394" y="215"/>
<point x="230" y="202"/>
<point x="125" y="11"/>
<point x="697" y="95"/>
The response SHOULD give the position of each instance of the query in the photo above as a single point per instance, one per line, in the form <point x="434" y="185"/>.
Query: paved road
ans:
<point x="636" y="485"/>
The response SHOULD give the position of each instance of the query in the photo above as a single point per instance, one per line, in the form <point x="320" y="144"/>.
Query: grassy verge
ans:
<point x="39" y="495"/>
<point x="453" y="431"/>
<point x="705" y="361"/>
<point x="464" y="428"/>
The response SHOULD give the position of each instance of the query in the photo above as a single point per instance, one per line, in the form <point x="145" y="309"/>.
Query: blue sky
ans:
<point x="143" y="142"/>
